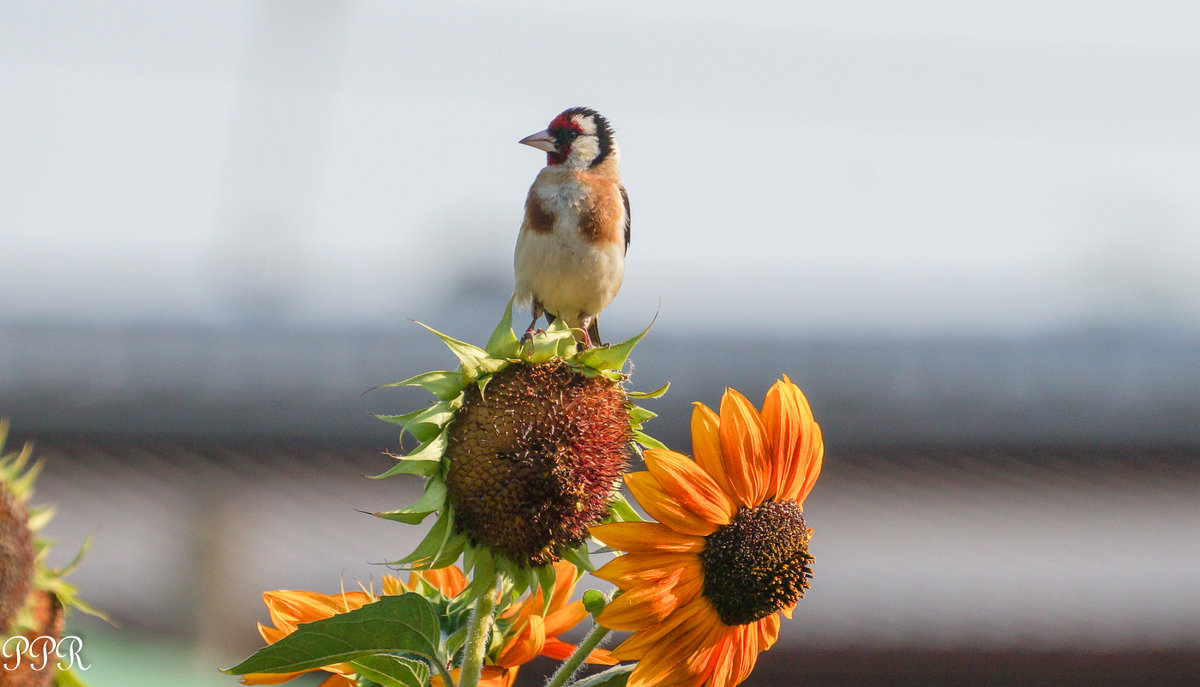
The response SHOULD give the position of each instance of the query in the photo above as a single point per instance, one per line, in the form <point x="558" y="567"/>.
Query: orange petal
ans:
<point x="338" y="681"/>
<point x="794" y="438"/>
<point x="565" y="577"/>
<point x="525" y="646"/>
<point x="768" y="631"/>
<point x="683" y="479"/>
<point x="565" y="618"/>
<point x="664" y="508"/>
<point x="647" y="537"/>
<point x="601" y="657"/>
<point x="634" y="569"/>
<point x="745" y="652"/>
<point x="651" y="603"/>
<point x="744" y="449"/>
<point x="497" y="676"/>
<point x="449" y="580"/>
<point x="722" y="673"/>
<point x="706" y="446"/>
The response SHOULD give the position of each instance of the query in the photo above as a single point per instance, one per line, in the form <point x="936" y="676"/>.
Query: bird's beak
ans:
<point x="542" y="140"/>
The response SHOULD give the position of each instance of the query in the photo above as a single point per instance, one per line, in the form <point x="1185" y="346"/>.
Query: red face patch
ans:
<point x="564" y="122"/>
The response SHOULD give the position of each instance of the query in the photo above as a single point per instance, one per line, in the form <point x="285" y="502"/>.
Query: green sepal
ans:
<point x="648" y="441"/>
<point x="433" y="499"/>
<point x="594" y="601"/>
<point x="657" y="393"/>
<point x="612" y="357"/>
<point x="425" y="460"/>
<point x="415" y="423"/>
<point x="503" y="342"/>
<point x="638" y="415"/>
<point x="578" y="557"/>
<point x="406" y="623"/>
<point x="545" y="580"/>
<point x="441" y="383"/>
<point x="619" y="510"/>
<point x="440" y="542"/>
<point x="616" y="676"/>
<point x="483" y="574"/>
<point x="558" y="341"/>
<point x="475" y="361"/>
<point x="392" y="671"/>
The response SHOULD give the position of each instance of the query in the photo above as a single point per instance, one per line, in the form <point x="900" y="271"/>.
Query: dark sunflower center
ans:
<point x="758" y="564"/>
<point x="534" y="460"/>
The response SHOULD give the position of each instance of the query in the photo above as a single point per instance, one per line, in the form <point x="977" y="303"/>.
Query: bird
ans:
<point x="570" y="254"/>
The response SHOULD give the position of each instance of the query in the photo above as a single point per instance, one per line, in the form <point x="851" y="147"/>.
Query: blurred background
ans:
<point x="969" y="231"/>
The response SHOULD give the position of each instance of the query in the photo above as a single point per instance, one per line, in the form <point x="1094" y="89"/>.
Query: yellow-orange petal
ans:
<point x="647" y="537"/>
<point x="525" y="646"/>
<point x="706" y="446"/>
<point x="689" y="484"/>
<point x="666" y="662"/>
<point x="664" y="508"/>
<point x="651" y="603"/>
<point x="269" y="678"/>
<point x="634" y="569"/>
<point x="744" y="449"/>
<point x="699" y="610"/>
<point x="392" y="586"/>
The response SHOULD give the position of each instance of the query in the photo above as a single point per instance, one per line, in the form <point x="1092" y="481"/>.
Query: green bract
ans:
<point x="582" y="390"/>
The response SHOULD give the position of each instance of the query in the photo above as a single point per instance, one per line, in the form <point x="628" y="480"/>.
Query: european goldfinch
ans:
<point x="570" y="255"/>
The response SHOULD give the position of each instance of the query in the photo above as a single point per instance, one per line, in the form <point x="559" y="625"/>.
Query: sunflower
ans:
<point x="703" y="588"/>
<point x="522" y="453"/>
<point x="526" y="629"/>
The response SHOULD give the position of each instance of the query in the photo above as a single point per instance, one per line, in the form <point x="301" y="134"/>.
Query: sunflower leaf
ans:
<point x="433" y="499"/>
<point x="392" y="671"/>
<point x="406" y="624"/>
<point x="503" y="342"/>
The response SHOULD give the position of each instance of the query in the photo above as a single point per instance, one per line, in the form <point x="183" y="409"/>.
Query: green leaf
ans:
<point x="392" y="671"/>
<point x="406" y="623"/>
<point x="425" y="460"/>
<point x="433" y="499"/>
<point x="616" y="676"/>
<point x="503" y="342"/>
<point x="657" y="393"/>
<point x="441" y="383"/>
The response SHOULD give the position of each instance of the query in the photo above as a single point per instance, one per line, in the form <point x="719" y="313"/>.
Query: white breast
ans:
<point x="570" y="277"/>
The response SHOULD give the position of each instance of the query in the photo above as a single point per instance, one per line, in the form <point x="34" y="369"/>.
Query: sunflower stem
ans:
<point x="479" y="629"/>
<point x="568" y="668"/>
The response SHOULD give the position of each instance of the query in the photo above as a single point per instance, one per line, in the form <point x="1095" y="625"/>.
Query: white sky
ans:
<point x="801" y="167"/>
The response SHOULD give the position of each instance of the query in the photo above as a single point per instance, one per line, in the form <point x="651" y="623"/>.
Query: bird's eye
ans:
<point x="567" y="135"/>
